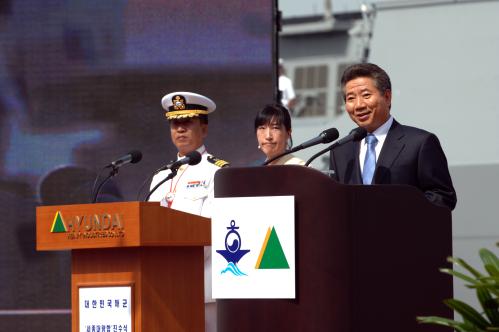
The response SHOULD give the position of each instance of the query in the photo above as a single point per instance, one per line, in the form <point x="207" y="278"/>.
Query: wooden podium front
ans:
<point x="156" y="251"/>
<point x="367" y="257"/>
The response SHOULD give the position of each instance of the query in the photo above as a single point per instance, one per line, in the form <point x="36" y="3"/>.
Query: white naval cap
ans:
<point x="186" y="105"/>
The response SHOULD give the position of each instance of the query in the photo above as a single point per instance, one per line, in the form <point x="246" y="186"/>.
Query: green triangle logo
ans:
<point x="58" y="225"/>
<point x="272" y="256"/>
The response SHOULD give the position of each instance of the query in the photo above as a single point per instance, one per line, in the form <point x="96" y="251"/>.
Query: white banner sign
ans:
<point x="253" y="247"/>
<point x="105" y="309"/>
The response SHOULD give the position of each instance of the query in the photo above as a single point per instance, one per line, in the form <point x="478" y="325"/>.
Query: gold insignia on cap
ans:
<point x="178" y="102"/>
<point x="179" y="105"/>
<point x="218" y="162"/>
<point x="184" y="114"/>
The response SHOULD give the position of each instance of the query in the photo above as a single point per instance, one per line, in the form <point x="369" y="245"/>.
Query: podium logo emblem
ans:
<point x="233" y="252"/>
<point x="271" y="255"/>
<point x="58" y="225"/>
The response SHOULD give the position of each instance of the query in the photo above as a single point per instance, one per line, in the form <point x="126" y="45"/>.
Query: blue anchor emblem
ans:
<point x="233" y="252"/>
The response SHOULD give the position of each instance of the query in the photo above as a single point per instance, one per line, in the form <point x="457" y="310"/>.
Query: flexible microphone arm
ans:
<point x="329" y="148"/>
<point x="355" y="135"/>
<point x="169" y="177"/>
<point x="132" y="157"/>
<point x="326" y="136"/>
<point x="113" y="172"/>
<point x="191" y="158"/>
<point x="149" y="178"/>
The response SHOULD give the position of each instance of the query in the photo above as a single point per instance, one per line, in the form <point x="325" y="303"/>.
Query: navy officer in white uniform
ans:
<point x="192" y="189"/>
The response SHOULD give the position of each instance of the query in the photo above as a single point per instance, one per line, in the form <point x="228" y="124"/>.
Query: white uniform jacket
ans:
<point x="192" y="191"/>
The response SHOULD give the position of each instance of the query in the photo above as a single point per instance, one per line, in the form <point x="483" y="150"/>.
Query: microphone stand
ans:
<point x="113" y="172"/>
<point x="329" y="148"/>
<point x="355" y="134"/>
<point x="162" y="168"/>
<point x="326" y="136"/>
<point x="293" y="150"/>
<point x="169" y="177"/>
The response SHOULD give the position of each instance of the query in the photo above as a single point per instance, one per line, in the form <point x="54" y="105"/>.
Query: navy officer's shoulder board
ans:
<point x="218" y="162"/>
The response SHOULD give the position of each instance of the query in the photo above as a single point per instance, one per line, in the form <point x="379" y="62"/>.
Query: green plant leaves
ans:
<point x="487" y="291"/>
<point x="462" y="263"/>
<point x="468" y="313"/>
<point x="490" y="262"/>
<point x="489" y="305"/>
<point x="461" y="327"/>
<point x="459" y="275"/>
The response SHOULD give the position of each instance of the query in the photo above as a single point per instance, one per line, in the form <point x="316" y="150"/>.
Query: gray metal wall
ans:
<point x="443" y="63"/>
<point x="442" y="59"/>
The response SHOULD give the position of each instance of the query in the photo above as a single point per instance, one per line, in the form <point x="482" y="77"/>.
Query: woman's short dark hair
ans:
<point x="380" y="77"/>
<point x="273" y="111"/>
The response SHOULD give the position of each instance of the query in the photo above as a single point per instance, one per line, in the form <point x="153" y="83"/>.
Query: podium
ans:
<point x="367" y="257"/>
<point x="155" y="251"/>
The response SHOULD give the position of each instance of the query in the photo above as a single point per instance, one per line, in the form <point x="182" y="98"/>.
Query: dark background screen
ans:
<point x="80" y="85"/>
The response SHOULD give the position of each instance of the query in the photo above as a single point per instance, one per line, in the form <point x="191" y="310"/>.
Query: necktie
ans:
<point x="370" y="161"/>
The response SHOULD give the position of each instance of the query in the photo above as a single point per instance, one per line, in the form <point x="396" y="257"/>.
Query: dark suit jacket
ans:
<point x="409" y="156"/>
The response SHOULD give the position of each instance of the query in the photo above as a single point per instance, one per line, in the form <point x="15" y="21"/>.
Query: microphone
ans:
<point x="355" y="134"/>
<point x="326" y="136"/>
<point x="191" y="158"/>
<point x="132" y="157"/>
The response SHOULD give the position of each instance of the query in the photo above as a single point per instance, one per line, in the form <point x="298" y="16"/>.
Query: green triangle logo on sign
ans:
<point x="272" y="256"/>
<point x="58" y="225"/>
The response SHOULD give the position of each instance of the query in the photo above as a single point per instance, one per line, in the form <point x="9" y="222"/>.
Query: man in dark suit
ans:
<point x="391" y="153"/>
